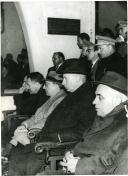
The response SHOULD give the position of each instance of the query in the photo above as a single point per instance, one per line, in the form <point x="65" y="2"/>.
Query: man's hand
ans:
<point x="24" y="88"/>
<point x="69" y="162"/>
<point x="21" y="135"/>
<point x="19" y="129"/>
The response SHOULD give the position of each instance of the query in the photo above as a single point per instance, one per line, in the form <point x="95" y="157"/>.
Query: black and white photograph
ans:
<point x="64" y="99"/>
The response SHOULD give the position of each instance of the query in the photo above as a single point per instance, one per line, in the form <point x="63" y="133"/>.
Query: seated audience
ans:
<point x="104" y="144"/>
<point x="53" y="88"/>
<point x="66" y="122"/>
<point x="28" y="103"/>
<point x="58" y="58"/>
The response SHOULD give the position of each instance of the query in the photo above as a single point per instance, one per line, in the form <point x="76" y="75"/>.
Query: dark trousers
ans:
<point x="8" y="132"/>
<point x="25" y="162"/>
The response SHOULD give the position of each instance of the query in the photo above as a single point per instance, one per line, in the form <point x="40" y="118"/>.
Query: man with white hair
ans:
<point x="103" y="145"/>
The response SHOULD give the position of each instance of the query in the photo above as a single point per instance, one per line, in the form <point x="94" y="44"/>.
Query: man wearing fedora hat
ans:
<point x="110" y="60"/>
<point x="104" y="144"/>
<point x="67" y="121"/>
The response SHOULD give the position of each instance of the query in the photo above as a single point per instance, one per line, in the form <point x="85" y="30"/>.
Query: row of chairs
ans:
<point x="52" y="158"/>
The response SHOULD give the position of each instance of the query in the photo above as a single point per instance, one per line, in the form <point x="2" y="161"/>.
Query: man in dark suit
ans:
<point x="66" y="123"/>
<point x="91" y="52"/>
<point x="58" y="58"/>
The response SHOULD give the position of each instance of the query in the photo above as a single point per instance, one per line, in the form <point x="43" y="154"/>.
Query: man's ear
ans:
<point x="97" y="53"/>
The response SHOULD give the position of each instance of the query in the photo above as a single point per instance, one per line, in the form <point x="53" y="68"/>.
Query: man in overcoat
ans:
<point x="66" y="123"/>
<point x="104" y="144"/>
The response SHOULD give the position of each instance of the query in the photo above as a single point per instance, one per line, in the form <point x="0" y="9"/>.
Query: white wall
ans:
<point x="40" y="45"/>
<point x="12" y="39"/>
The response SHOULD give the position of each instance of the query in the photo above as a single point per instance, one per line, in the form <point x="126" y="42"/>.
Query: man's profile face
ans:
<point x="56" y="60"/>
<point x="33" y="86"/>
<point x="84" y="51"/>
<point x="50" y="88"/>
<point x="90" y="53"/>
<point x="105" y="100"/>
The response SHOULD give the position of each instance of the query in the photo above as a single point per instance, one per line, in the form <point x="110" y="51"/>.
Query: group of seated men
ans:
<point x="82" y="104"/>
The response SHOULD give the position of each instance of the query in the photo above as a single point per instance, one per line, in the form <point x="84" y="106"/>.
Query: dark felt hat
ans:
<point x="73" y="66"/>
<point x="54" y="77"/>
<point x="115" y="81"/>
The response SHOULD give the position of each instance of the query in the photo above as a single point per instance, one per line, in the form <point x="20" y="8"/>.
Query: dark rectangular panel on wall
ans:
<point x="63" y="26"/>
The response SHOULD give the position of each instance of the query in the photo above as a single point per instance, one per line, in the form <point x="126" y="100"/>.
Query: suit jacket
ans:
<point x="71" y="117"/>
<point x="103" y="144"/>
<point x="113" y="62"/>
<point x="54" y="68"/>
<point x="27" y="104"/>
<point x="51" y="69"/>
<point x="93" y="71"/>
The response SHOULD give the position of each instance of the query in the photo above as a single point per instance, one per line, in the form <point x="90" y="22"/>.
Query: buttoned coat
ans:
<point x="103" y="145"/>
